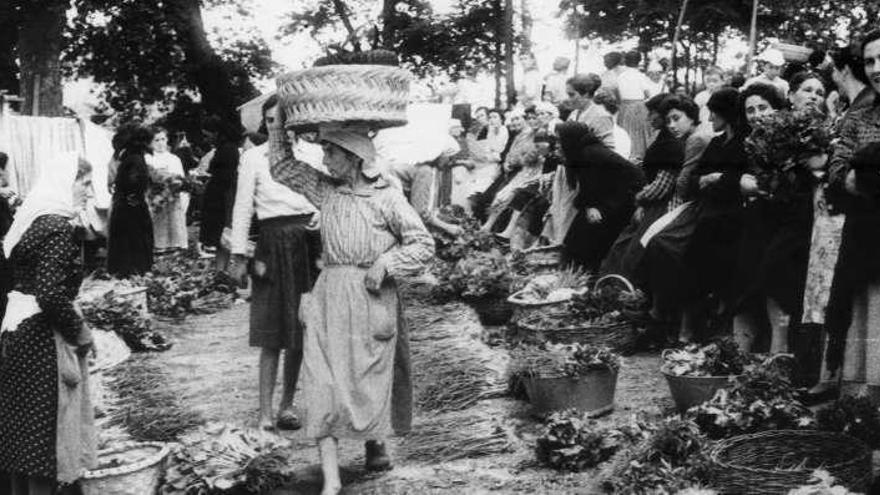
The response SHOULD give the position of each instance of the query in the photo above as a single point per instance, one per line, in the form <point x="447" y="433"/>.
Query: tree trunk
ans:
<point x="510" y="87"/>
<point x="387" y="12"/>
<point x="213" y="78"/>
<point x="39" y="49"/>
<point x="8" y="41"/>
<point x="499" y="50"/>
<point x="715" y="46"/>
<point x="527" y="24"/>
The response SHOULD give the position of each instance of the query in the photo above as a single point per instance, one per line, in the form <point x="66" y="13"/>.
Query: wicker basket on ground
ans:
<point x="619" y="336"/>
<point x="778" y="461"/>
<point x="132" y="469"/>
<point x="373" y="96"/>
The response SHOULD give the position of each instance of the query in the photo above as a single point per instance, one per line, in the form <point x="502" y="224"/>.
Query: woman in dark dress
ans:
<point x="130" y="242"/>
<point x="662" y="163"/>
<point x="775" y="248"/>
<point x="219" y="193"/>
<point x="607" y="184"/>
<point x="47" y="433"/>
<point x="694" y="255"/>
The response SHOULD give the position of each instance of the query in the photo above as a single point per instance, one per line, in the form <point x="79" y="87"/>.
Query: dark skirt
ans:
<point x="290" y="252"/>
<point x="662" y="266"/>
<point x="587" y="244"/>
<point x="216" y="203"/>
<point x="29" y="400"/>
<point x="626" y="253"/>
<point x="130" y="243"/>
<point x="773" y="256"/>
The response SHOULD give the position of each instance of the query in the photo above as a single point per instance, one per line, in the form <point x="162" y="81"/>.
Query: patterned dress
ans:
<point x="46" y="265"/>
<point x="350" y="339"/>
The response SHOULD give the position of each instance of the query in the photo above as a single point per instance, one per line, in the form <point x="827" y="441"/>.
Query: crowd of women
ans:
<point x="685" y="215"/>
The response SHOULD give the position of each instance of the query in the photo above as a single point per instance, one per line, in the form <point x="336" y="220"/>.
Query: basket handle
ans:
<point x="613" y="276"/>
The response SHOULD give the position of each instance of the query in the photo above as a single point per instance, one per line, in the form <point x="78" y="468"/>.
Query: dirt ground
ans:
<point x="215" y="372"/>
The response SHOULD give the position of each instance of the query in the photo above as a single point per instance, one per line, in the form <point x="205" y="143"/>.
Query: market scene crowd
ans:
<point x="737" y="218"/>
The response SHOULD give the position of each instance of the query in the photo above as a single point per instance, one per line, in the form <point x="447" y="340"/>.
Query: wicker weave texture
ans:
<point x="774" y="462"/>
<point x="375" y="95"/>
<point x="139" y="478"/>
<point x="619" y="337"/>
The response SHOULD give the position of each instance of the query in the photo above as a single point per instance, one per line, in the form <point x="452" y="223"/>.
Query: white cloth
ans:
<point x="662" y="222"/>
<point x="257" y="192"/>
<point x="169" y="223"/>
<point x="633" y="84"/>
<point x="20" y="307"/>
<point x="52" y="195"/>
<point x="622" y="142"/>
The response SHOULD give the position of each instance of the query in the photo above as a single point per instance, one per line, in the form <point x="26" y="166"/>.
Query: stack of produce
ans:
<point x="572" y="442"/>
<point x="721" y="358"/>
<point x="117" y="314"/>
<point x="602" y="306"/>
<point x="556" y="286"/>
<point x="457" y="435"/>
<point x="227" y="459"/>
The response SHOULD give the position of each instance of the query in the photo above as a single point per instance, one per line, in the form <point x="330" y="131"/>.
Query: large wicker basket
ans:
<point x="141" y="476"/>
<point x="375" y="96"/>
<point x="619" y="336"/>
<point x="793" y="53"/>
<point x="751" y="463"/>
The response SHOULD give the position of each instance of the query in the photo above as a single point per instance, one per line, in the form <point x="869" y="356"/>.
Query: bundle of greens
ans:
<point x="118" y="314"/>
<point x="602" y="306"/>
<point x="557" y="360"/>
<point x="822" y="483"/>
<point x="571" y="442"/>
<point x="165" y="188"/>
<point x="720" y="358"/>
<point x="224" y="458"/>
<point x="779" y="146"/>
<point x="452" y="436"/>
<point x="762" y="398"/>
<point x="471" y="238"/>
<point x="673" y="457"/>
<point x="855" y="416"/>
<point x="480" y="275"/>
<point x="182" y="284"/>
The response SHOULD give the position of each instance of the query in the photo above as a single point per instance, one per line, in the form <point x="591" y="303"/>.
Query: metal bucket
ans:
<point x="592" y="394"/>
<point x="690" y="391"/>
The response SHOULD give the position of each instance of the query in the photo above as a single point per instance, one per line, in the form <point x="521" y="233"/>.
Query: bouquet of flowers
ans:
<point x="165" y="188"/>
<point x="780" y="146"/>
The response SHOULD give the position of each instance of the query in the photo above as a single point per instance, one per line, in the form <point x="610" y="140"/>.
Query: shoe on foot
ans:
<point x="377" y="456"/>
<point x="287" y="420"/>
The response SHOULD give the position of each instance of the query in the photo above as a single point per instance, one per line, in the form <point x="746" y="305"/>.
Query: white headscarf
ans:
<point x="51" y="195"/>
<point x="356" y="141"/>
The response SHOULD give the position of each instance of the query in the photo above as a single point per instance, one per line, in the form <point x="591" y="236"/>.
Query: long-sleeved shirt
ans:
<point x="599" y="120"/>
<point x="359" y="227"/>
<point x="257" y="192"/>
<point x="857" y="128"/>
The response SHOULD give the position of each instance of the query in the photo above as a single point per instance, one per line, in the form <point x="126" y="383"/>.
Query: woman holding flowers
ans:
<point x="370" y="236"/>
<point x="169" y="217"/>
<point x="785" y="150"/>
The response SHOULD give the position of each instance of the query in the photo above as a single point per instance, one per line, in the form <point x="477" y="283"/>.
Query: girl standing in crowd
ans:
<point x="130" y="242"/>
<point x="219" y="191"/>
<point x="634" y="88"/>
<point x="47" y="433"/>
<point x="169" y="223"/>
<point x="774" y="252"/>
<point x="352" y="316"/>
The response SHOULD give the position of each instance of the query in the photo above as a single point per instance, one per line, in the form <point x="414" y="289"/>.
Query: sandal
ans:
<point x="287" y="420"/>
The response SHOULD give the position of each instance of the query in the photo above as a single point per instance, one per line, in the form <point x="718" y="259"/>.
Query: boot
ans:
<point x="377" y="456"/>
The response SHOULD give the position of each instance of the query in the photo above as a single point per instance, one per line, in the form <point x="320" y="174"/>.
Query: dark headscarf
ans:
<point x="726" y="103"/>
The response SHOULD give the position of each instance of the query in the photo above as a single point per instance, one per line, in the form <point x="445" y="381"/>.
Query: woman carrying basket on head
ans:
<point x="370" y="236"/>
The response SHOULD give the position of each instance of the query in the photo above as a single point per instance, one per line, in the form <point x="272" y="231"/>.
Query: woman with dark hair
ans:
<point x="691" y="253"/>
<point x="130" y="242"/>
<point x="606" y="184"/>
<point x="853" y="314"/>
<point x="760" y="100"/>
<point x="775" y="248"/>
<point x="219" y="193"/>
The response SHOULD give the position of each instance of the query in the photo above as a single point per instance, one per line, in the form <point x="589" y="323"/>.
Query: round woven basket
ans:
<point x="141" y="476"/>
<point x="751" y="463"/>
<point x="374" y="96"/>
<point x="794" y="53"/>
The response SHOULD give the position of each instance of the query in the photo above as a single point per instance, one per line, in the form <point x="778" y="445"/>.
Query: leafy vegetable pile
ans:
<point x="452" y="249"/>
<point x="182" y="284"/>
<point x="762" y="398"/>
<point x="822" y="484"/>
<point x="721" y="358"/>
<point x="571" y="442"/>
<point x="673" y="457"/>
<point x="165" y="188"/>
<point x="480" y="275"/>
<point x="223" y="458"/>
<point x="117" y="314"/>
<point x="606" y="305"/>
<point x="555" y="360"/>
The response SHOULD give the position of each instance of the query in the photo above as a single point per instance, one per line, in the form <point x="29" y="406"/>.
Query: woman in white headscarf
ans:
<point x="352" y="316"/>
<point x="46" y="430"/>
